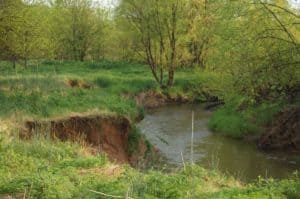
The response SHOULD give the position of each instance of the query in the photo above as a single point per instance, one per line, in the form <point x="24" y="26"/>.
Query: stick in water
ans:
<point x="182" y="160"/>
<point x="108" y="195"/>
<point x="192" y="139"/>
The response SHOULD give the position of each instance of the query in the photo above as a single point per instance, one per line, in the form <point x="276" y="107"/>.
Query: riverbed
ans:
<point x="169" y="128"/>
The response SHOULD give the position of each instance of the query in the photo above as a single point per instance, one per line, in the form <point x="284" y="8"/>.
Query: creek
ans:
<point x="169" y="129"/>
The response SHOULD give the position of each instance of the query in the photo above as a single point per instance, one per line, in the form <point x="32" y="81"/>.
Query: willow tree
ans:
<point x="157" y="23"/>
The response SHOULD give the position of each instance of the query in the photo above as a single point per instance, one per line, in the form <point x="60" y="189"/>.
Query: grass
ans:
<point x="41" y="96"/>
<point x="43" y="168"/>
<point x="41" y="91"/>
<point x="239" y="118"/>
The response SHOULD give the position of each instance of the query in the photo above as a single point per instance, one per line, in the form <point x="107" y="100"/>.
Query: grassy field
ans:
<point x="42" y="168"/>
<point x="43" y="90"/>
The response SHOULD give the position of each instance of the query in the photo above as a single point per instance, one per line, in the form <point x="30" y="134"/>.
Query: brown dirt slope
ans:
<point x="108" y="134"/>
<point x="284" y="131"/>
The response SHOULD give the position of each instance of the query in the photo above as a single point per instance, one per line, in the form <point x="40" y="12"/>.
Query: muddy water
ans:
<point x="169" y="128"/>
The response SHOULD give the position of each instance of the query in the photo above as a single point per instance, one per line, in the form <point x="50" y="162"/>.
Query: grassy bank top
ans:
<point x="54" y="89"/>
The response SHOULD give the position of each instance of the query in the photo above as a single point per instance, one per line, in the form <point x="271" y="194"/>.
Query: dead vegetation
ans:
<point x="74" y="83"/>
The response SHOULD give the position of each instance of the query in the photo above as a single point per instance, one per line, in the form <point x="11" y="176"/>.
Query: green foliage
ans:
<point x="232" y="123"/>
<point x="241" y="117"/>
<point x="46" y="168"/>
<point x="104" y="82"/>
<point x="256" y="45"/>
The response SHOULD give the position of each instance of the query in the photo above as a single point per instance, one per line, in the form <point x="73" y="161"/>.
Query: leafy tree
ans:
<point x="73" y="28"/>
<point x="158" y="24"/>
<point x="200" y="19"/>
<point x="256" y="44"/>
<point x="98" y="31"/>
<point x="10" y="24"/>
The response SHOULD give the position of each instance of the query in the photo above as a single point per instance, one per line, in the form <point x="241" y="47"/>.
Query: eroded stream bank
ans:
<point x="169" y="128"/>
<point x="110" y="134"/>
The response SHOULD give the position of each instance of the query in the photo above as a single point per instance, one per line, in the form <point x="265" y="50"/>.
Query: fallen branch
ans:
<point x="108" y="195"/>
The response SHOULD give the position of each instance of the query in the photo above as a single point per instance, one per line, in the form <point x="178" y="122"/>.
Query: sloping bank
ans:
<point x="111" y="134"/>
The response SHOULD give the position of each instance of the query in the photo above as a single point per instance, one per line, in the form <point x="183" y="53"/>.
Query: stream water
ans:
<point x="169" y="129"/>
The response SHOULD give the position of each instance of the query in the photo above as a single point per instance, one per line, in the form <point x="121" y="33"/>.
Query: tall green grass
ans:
<point x="43" y="168"/>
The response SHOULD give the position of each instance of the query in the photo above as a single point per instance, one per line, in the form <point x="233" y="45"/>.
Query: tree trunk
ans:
<point x="161" y="75"/>
<point x="171" y="77"/>
<point x="25" y="62"/>
<point x="82" y="55"/>
<point x="14" y="63"/>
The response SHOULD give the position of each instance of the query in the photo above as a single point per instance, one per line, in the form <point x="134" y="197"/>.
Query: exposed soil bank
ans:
<point x="108" y="134"/>
<point x="283" y="132"/>
<point x="153" y="99"/>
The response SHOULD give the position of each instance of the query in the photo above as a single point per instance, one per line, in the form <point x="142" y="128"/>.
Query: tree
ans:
<point x="10" y="24"/>
<point x="22" y="29"/>
<point x="256" y="44"/>
<point x="200" y="27"/>
<point x="157" y="24"/>
<point x="99" y="34"/>
<point x="34" y="40"/>
<point x="73" y="28"/>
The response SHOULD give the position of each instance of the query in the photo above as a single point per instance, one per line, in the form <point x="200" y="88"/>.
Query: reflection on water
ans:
<point x="169" y="128"/>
